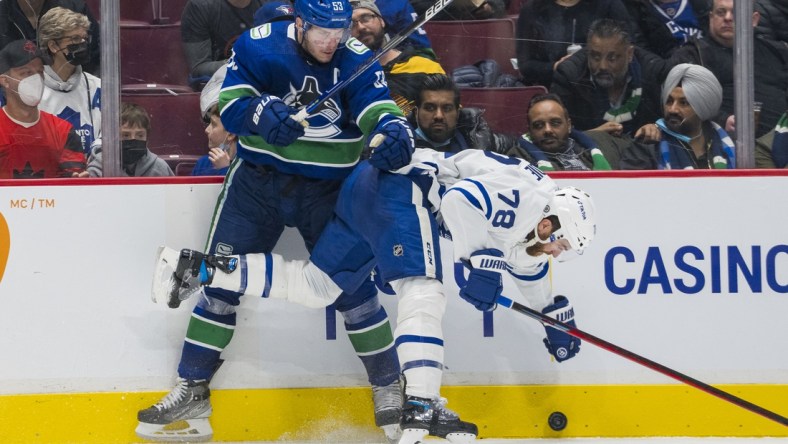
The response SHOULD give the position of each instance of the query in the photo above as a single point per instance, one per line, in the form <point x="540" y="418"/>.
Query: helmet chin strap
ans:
<point x="534" y="239"/>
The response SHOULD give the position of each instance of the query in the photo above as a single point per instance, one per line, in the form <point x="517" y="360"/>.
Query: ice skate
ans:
<point x="388" y="409"/>
<point x="422" y="417"/>
<point x="178" y="275"/>
<point x="181" y="416"/>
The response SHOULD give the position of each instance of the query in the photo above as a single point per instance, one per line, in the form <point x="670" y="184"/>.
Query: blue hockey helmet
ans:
<point x="325" y="13"/>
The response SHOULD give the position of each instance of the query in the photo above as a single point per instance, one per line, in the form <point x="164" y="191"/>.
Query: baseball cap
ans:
<point x="366" y="4"/>
<point x="273" y="11"/>
<point x="19" y="53"/>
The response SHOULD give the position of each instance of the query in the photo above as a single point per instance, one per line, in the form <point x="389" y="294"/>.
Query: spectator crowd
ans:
<point x="609" y="67"/>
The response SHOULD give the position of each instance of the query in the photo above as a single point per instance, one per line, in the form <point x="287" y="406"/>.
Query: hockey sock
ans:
<point x="420" y="334"/>
<point x="369" y="330"/>
<point x="211" y="328"/>
<point x="270" y="275"/>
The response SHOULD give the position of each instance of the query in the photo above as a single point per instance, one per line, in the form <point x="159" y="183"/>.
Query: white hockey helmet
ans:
<point x="576" y="214"/>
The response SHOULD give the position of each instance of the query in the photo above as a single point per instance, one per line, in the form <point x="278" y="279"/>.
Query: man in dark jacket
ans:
<point x="442" y="125"/>
<point x="18" y="20"/>
<point x="715" y="52"/>
<point x="610" y="85"/>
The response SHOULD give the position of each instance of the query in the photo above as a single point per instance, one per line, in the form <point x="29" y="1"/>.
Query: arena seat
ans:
<point x="177" y="131"/>
<point x="506" y="109"/>
<point x="465" y="42"/>
<point x="152" y="53"/>
<point x="149" y="11"/>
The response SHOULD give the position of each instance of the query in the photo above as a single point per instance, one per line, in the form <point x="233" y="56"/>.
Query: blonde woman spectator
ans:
<point x="71" y="93"/>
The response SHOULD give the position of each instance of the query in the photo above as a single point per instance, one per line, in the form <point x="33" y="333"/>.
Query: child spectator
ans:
<point x="136" y="159"/>
<point x="221" y="143"/>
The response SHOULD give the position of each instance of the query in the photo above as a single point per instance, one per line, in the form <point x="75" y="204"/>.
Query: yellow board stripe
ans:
<point x="337" y="414"/>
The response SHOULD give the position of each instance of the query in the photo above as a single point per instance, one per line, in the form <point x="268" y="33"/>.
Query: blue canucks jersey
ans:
<point x="268" y="60"/>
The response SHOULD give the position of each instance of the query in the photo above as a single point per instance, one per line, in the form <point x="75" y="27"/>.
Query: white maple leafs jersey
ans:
<point x="487" y="200"/>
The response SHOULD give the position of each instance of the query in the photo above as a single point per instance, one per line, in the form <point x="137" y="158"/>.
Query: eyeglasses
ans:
<point x="77" y="39"/>
<point x="364" y="19"/>
<point x="722" y="12"/>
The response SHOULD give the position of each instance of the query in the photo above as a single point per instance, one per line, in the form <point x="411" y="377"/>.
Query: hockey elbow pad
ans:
<point x="484" y="282"/>
<point x="561" y="345"/>
<point x="391" y="144"/>
<point x="271" y="119"/>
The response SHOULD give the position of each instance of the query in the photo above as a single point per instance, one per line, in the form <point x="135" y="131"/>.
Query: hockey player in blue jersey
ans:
<point x="288" y="173"/>
<point x="503" y="215"/>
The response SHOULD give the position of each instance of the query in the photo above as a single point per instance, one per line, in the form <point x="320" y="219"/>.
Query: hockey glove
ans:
<point x="271" y="120"/>
<point x="561" y="345"/>
<point x="484" y="283"/>
<point x="396" y="147"/>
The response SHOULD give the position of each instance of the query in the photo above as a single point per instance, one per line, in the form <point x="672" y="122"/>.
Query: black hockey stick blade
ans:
<point x="634" y="357"/>
<point x="392" y="43"/>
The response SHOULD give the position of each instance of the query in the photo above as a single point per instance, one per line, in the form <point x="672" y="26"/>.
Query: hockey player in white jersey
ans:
<point x="503" y="215"/>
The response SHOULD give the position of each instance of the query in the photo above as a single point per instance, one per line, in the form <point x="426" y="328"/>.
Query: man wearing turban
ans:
<point x="688" y="137"/>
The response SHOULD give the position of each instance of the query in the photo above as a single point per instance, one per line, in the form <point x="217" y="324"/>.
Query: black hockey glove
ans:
<point x="484" y="283"/>
<point x="391" y="144"/>
<point x="271" y="119"/>
<point x="561" y="345"/>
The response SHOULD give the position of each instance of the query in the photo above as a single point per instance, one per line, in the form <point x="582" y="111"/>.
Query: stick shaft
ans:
<point x="634" y="357"/>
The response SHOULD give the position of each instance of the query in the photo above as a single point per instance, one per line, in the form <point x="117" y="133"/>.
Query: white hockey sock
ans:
<point x="420" y="334"/>
<point x="270" y="275"/>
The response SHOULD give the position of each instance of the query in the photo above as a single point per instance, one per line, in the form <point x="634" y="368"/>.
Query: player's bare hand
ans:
<point x="219" y="158"/>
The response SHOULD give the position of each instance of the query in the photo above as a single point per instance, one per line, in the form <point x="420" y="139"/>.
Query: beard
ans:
<point x="605" y="79"/>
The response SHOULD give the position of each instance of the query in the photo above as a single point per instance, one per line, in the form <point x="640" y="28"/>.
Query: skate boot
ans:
<point x="388" y="409"/>
<point x="181" y="416"/>
<point x="422" y="417"/>
<point x="179" y="275"/>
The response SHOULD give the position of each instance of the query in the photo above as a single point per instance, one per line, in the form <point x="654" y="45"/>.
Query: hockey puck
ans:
<point x="557" y="421"/>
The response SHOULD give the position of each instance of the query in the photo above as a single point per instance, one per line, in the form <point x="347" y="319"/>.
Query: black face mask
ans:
<point x="133" y="150"/>
<point x="78" y="54"/>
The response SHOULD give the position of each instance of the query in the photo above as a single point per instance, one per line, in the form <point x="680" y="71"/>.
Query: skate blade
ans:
<point x="187" y="430"/>
<point x="163" y="270"/>
<point x="461" y="438"/>
<point x="393" y="433"/>
<point x="413" y="436"/>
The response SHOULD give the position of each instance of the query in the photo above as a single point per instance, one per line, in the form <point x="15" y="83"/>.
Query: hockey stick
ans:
<point x="392" y="43"/>
<point x="533" y="314"/>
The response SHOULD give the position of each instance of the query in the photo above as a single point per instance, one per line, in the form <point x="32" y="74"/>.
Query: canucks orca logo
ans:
<point x="322" y="122"/>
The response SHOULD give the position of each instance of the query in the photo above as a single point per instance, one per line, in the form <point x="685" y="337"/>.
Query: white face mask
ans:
<point x="30" y="89"/>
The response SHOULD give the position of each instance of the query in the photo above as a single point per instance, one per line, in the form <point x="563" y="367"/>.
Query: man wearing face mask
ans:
<point x="71" y="93"/>
<point x="33" y="144"/>
<point x="135" y="157"/>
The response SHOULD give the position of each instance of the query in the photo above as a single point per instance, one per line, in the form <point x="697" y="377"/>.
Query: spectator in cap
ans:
<point x="274" y="11"/>
<point x="33" y="144"/>
<point x="71" y="93"/>
<point x="222" y="145"/>
<point x="688" y="137"/>
<point x="405" y="68"/>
